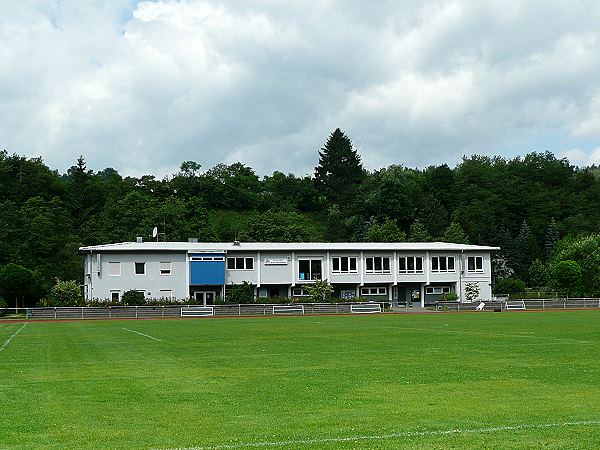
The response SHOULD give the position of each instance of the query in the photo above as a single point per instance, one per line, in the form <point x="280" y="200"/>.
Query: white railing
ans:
<point x="140" y="312"/>
<point x="365" y="308"/>
<point x="197" y="311"/>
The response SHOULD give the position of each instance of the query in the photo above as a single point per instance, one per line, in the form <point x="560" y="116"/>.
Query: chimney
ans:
<point x="139" y="239"/>
<point x="195" y="240"/>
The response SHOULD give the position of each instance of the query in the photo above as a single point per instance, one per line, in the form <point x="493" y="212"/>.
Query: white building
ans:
<point x="417" y="273"/>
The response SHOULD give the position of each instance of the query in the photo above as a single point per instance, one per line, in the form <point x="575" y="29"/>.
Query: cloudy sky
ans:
<point x="143" y="85"/>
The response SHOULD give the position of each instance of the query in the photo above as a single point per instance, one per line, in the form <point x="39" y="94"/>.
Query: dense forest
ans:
<point x="542" y="211"/>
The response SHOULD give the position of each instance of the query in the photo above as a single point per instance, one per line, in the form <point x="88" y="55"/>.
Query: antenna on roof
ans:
<point x="155" y="233"/>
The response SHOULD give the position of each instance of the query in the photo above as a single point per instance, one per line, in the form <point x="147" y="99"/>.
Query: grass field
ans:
<point x="509" y="380"/>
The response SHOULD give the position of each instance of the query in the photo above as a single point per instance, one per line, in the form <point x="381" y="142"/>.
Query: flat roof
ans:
<point x="200" y="247"/>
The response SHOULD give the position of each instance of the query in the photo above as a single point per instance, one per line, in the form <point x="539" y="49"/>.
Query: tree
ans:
<point x="66" y="293"/>
<point x="387" y="231"/>
<point x="524" y="250"/>
<point x="455" y="234"/>
<point x="585" y="251"/>
<point x="552" y="237"/>
<point x="16" y="282"/>
<point x="567" y="275"/>
<point x="340" y="170"/>
<point x="275" y="227"/>
<point x="418" y="233"/>
<point x="472" y="291"/>
<point x="509" y="286"/>
<point x="538" y="274"/>
<point x="320" y="291"/>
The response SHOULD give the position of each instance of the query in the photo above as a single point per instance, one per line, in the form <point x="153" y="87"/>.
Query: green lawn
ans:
<point x="377" y="381"/>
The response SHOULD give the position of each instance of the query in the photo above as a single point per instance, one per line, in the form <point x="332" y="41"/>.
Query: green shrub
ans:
<point x="3" y="303"/>
<point x="277" y="300"/>
<point x="449" y="297"/>
<point x="240" y="293"/>
<point x="133" y="298"/>
<point x="509" y="286"/>
<point x="65" y="293"/>
<point x="320" y="291"/>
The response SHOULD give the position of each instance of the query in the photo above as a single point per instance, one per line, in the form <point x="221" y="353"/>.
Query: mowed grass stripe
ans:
<point x="10" y="339"/>
<point x="215" y="382"/>
<point x="395" y="436"/>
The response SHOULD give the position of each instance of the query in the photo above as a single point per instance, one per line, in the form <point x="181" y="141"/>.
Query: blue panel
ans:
<point x="207" y="272"/>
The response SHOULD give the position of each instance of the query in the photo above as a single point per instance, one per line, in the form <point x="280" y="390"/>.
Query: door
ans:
<point x="205" y="297"/>
<point x="415" y="298"/>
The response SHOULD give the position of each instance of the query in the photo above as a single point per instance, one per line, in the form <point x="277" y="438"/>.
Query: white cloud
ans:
<point x="141" y="86"/>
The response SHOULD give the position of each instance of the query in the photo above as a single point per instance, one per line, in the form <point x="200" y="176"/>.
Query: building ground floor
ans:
<point x="401" y="294"/>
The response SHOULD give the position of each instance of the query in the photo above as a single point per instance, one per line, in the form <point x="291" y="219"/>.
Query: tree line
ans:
<point x="542" y="211"/>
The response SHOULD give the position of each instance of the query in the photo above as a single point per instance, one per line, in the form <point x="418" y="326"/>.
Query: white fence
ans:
<point x="145" y="312"/>
<point x="521" y="304"/>
<point x="365" y="308"/>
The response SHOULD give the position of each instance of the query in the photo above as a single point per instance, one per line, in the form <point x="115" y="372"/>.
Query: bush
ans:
<point x="449" y="297"/>
<point x="65" y="293"/>
<point x="509" y="286"/>
<point x="240" y="293"/>
<point x="320" y="291"/>
<point x="3" y="303"/>
<point x="133" y="298"/>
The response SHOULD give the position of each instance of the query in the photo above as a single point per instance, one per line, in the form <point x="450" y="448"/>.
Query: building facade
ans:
<point x="411" y="273"/>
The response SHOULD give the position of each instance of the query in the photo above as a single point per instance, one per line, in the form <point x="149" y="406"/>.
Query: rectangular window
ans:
<point x="207" y="258"/>
<point x="475" y="264"/>
<point x="375" y="290"/>
<point x="165" y="268"/>
<point x="115" y="296"/>
<point x="378" y="264"/>
<point x="410" y="264"/>
<point x="437" y="290"/>
<point x="442" y="263"/>
<point x="309" y="269"/>
<point x="114" y="269"/>
<point x="240" y="263"/>
<point x="344" y="264"/>
<point x="299" y="292"/>
<point x="166" y="293"/>
<point x="140" y="268"/>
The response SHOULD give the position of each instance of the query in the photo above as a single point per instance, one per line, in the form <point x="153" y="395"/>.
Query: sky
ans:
<point x="141" y="86"/>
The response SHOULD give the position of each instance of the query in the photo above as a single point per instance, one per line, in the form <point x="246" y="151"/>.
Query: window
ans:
<point x="166" y="293"/>
<point x="165" y="268"/>
<point x="475" y="264"/>
<point x="140" y="268"/>
<point x="207" y="258"/>
<point x="115" y="296"/>
<point x="347" y="293"/>
<point x="437" y="290"/>
<point x="442" y="263"/>
<point x="240" y="263"/>
<point x="378" y="264"/>
<point x="309" y="269"/>
<point x="299" y="292"/>
<point x="114" y="269"/>
<point x="378" y="290"/>
<point x="344" y="264"/>
<point x="410" y="264"/>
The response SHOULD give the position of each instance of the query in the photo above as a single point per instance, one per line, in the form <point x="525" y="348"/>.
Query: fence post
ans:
<point x="55" y="312"/>
<point x="264" y="309"/>
<point x="82" y="312"/>
<point x="543" y="304"/>
<point x="162" y="311"/>
<point x="239" y="309"/>
<point x="136" y="308"/>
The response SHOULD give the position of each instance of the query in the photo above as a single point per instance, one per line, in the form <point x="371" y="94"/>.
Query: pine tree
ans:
<point x="455" y="234"/>
<point x="340" y="170"/>
<point x="418" y="233"/>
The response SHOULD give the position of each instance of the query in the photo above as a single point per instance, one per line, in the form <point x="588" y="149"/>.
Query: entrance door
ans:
<point x="415" y="298"/>
<point x="205" y="297"/>
<point x="274" y="292"/>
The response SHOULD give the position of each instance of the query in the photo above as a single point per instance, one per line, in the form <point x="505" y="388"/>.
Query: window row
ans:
<point x="300" y="291"/>
<point x="115" y="295"/>
<point x="139" y="268"/>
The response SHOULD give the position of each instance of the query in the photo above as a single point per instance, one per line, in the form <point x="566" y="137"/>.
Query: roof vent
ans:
<point x="236" y="243"/>
<point x="139" y="239"/>
<point x="193" y="240"/>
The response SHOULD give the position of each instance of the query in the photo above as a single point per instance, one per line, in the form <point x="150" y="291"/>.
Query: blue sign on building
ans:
<point x="207" y="269"/>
